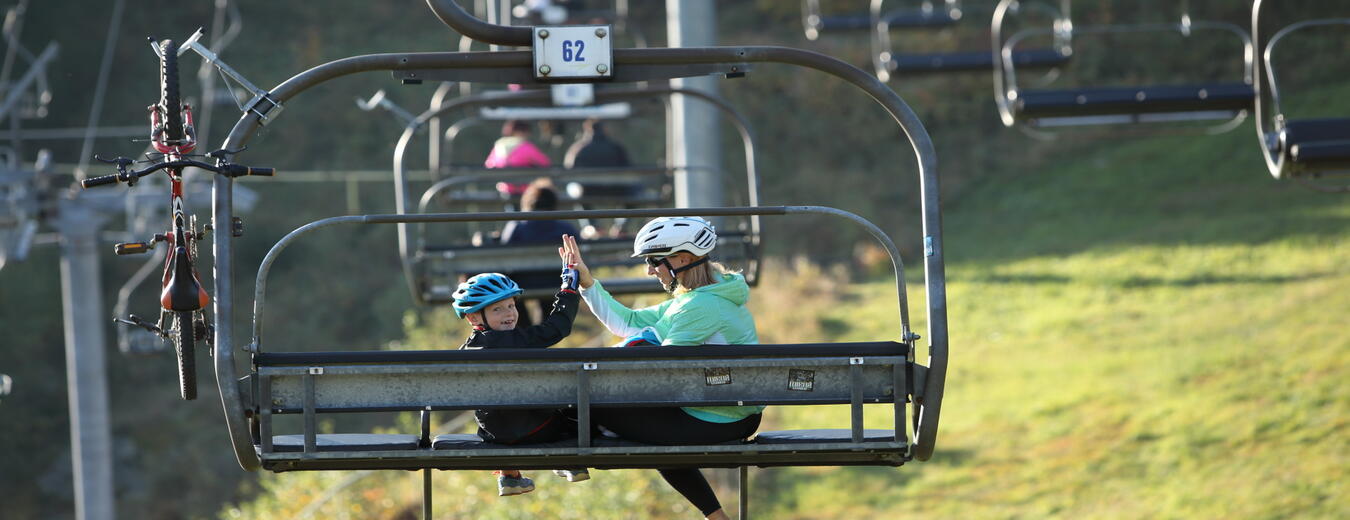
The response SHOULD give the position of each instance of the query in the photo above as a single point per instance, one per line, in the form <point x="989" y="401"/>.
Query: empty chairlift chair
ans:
<point x="1297" y="147"/>
<point x="1224" y="101"/>
<point x="927" y="14"/>
<point x="890" y="62"/>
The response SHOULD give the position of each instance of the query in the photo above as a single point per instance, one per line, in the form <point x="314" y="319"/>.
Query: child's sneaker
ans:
<point x="511" y="486"/>
<point x="573" y="474"/>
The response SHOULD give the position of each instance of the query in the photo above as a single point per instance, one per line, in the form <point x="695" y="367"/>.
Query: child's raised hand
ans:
<point x="571" y="255"/>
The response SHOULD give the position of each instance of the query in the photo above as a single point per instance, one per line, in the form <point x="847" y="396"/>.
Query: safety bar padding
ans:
<point x="1134" y="100"/>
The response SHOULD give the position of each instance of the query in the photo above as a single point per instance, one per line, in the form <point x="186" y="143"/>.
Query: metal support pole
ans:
<point x="695" y="136"/>
<point x="744" y="513"/>
<point x="426" y="494"/>
<point x="86" y="377"/>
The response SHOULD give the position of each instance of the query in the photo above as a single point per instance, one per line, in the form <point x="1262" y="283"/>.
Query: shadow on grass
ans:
<point x="843" y="488"/>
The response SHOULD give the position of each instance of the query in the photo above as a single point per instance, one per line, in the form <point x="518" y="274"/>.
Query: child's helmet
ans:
<point x="483" y="290"/>
<point x="669" y="235"/>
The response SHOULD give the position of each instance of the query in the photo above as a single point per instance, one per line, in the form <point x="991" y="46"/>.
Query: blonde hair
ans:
<point x="707" y="274"/>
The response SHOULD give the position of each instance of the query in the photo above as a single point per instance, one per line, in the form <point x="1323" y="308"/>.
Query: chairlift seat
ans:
<point x="470" y="441"/>
<point x="1098" y="101"/>
<point x="974" y="61"/>
<point x="346" y="442"/>
<point x="1318" y="142"/>
<point x="897" y="19"/>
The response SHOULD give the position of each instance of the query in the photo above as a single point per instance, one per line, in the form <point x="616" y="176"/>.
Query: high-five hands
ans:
<point x="571" y="257"/>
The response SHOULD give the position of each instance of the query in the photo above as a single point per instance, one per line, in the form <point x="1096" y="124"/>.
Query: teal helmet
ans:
<point x="483" y="290"/>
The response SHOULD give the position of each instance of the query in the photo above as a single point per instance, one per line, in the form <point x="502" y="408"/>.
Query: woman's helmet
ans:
<point x="666" y="236"/>
<point x="483" y="290"/>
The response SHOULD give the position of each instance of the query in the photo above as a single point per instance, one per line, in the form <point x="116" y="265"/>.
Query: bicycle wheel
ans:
<point x="184" y="336"/>
<point x="170" y="103"/>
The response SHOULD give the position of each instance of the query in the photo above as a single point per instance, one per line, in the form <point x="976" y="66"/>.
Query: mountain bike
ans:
<point x="183" y="298"/>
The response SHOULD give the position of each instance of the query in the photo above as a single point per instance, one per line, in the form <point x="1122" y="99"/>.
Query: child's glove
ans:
<point x="570" y="279"/>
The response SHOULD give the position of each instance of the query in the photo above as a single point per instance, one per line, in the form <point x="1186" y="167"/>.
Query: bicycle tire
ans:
<point x="170" y="102"/>
<point x="184" y="342"/>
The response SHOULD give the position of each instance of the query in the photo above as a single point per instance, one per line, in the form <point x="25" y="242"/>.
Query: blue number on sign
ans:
<point x="568" y="54"/>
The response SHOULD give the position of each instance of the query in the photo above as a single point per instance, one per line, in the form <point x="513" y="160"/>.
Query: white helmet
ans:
<point x="669" y="235"/>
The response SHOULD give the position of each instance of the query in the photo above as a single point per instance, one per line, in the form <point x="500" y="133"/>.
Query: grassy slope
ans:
<point x="1156" y="330"/>
<point x="1152" y="328"/>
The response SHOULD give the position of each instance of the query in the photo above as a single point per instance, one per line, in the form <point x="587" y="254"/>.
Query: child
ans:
<point x="488" y="302"/>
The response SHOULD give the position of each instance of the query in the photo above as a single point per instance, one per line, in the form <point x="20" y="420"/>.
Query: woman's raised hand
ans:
<point x="571" y="255"/>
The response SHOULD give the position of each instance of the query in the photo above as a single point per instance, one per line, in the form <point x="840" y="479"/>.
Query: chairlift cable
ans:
<point x="104" y="69"/>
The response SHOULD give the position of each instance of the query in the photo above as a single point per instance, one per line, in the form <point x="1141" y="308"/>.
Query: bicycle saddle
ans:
<point x="182" y="292"/>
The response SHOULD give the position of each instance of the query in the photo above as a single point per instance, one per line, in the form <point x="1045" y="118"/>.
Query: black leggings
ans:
<point x="672" y="426"/>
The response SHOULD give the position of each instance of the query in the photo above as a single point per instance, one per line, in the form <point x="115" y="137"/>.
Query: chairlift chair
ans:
<point x="928" y="14"/>
<point x="1226" y="102"/>
<point x="889" y="63"/>
<point x="313" y="383"/>
<point x="433" y="269"/>
<point x="1303" y="148"/>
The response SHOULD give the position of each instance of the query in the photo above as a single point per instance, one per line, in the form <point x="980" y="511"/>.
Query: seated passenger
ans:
<point x="540" y="196"/>
<point x="596" y="149"/>
<point x="708" y="308"/>
<point x="487" y="301"/>
<point x="514" y="150"/>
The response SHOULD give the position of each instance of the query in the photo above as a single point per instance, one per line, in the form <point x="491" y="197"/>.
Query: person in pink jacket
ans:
<point x="514" y="150"/>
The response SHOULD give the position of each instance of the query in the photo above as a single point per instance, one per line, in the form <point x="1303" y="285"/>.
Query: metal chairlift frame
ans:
<point x="884" y="58"/>
<point x="1271" y="122"/>
<point x="925" y="16"/>
<point x="1006" y="92"/>
<point x="241" y="403"/>
<point x="747" y="241"/>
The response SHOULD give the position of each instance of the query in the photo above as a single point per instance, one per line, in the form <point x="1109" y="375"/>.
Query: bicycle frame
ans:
<point x="175" y="292"/>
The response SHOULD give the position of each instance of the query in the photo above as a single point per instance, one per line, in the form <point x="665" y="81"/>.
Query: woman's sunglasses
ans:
<point x="654" y="261"/>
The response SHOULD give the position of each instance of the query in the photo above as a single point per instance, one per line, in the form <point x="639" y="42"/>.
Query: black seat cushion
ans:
<point x="346" y="442"/>
<point x="974" y="61"/>
<point x="1135" y="100"/>
<point x="1323" y="140"/>
<point x="896" y="19"/>
<point x="821" y="436"/>
<point x="469" y="441"/>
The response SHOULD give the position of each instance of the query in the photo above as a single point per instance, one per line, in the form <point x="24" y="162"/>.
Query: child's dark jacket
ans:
<point x="533" y="425"/>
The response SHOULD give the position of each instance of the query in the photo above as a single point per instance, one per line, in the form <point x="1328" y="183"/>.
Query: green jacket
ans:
<point x="710" y="315"/>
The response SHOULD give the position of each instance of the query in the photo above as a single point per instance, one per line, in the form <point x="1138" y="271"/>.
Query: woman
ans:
<point x="707" y="308"/>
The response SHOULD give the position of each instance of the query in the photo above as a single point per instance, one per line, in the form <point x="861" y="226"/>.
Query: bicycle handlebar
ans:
<point x="99" y="181"/>
<point x="226" y="169"/>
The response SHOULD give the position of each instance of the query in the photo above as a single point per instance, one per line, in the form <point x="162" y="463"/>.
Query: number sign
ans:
<point x="573" y="52"/>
